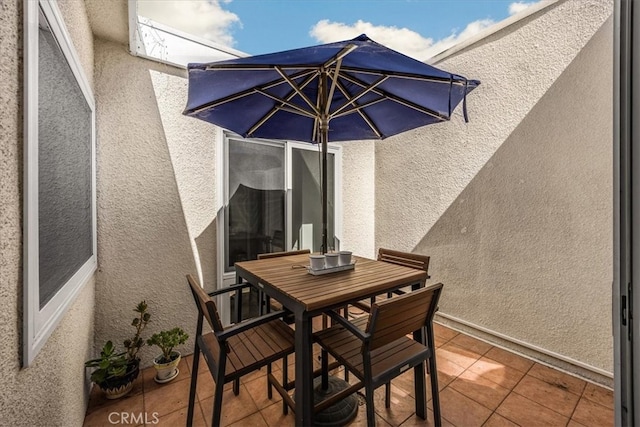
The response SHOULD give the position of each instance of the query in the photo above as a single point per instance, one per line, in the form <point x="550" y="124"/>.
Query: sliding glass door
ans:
<point x="255" y="205"/>
<point x="273" y="199"/>
<point x="306" y="199"/>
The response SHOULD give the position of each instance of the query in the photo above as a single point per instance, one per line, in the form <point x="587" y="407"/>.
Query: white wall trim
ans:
<point x="527" y="345"/>
<point x="135" y="36"/>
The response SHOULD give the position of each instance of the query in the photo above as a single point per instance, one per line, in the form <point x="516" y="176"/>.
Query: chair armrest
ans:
<point x="234" y="287"/>
<point x="360" y="334"/>
<point x="248" y="324"/>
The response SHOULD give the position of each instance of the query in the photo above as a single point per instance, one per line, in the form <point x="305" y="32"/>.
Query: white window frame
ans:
<point x="334" y="149"/>
<point x="39" y="323"/>
<point x="228" y="278"/>
<point x="145" y="35"/>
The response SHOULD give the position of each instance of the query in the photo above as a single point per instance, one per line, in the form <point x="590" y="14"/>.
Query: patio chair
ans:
<point x="407" y="259"/>
<point x="376" y="348"/>
<point x="236" y="350"/>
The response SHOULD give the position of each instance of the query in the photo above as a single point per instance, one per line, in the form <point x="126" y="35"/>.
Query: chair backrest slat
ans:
<point x="279" y="254"/>
<point x="206" y="306"/>
<point x="396" y="317"/>
<point x="406" y="259"/>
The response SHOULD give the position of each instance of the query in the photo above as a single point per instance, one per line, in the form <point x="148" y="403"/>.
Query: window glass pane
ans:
<point x="306" y="209"/>
<point x="255" y="212"/>
<point x="64" y="170"/>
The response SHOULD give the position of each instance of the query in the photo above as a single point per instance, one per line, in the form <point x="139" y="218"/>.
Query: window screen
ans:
<point x="64" y="170"/>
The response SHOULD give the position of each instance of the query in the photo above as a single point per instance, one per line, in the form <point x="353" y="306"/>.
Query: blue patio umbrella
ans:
<point x="349" y="90"/>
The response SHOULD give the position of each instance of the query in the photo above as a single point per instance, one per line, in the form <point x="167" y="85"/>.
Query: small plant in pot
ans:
<point x="116" y="371"/>
<point x="166" y="364"/>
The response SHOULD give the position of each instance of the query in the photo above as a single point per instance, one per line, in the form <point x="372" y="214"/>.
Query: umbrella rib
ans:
<point x="338" y="57"/>
<point x="366" y="90"/>
<point x="249" y="91"/>
<point x="327" y="66"/>
<point x="334" y="81"/>
<point x="399" y="100"/>
<point x="405" y="75"/>
<point x="358" y="109"/>
<point x="306" y="72"/>
<point x="298" y="90"/>
<point x="259" y="67"/>
<point x="285" y="102"/>
<point x="275" y="109"/>
<point x="292" y="107"/>
<point x="409" y="104"/>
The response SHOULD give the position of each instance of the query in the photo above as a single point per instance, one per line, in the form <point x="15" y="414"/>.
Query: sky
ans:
<point x="417" y="28"/>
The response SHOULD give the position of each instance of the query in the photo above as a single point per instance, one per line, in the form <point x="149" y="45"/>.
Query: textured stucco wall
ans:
<point x="53" y="390"/>
<point x="358" y="197"/>
<point x="77" y="22"/>
<point x="192" y="149"/>
<point x="515" y="206"/>
<point x="156" y="196"/>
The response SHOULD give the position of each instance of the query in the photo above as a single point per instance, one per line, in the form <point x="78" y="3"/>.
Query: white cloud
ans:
<point x="207" y="18"/>
<point x="403" y="40"/>
<point x="202" y="18"/>
<point x="519" y="6"/>
<point x="470" y="30"/>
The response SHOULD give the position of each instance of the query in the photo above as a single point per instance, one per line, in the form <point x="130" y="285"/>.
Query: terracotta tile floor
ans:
<point x="480" y="385"/>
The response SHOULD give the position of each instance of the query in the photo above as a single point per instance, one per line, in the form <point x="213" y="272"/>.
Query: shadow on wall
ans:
<point x="144" y="246"/>
<point x="526" y="249"/>
<point x="207" y="252"/>
<point x="191" y="145"/>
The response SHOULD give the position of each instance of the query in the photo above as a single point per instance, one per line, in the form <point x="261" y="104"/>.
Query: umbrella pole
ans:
<point x="324" y="136"/>
<point x="323" y="132"/>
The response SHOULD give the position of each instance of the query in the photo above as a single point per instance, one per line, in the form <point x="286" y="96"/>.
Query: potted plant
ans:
<point x="166" y="364"/>
<point x="116" y="371"/>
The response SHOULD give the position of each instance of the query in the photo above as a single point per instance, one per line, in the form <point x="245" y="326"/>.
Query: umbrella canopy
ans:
<point x="350" y="90"/>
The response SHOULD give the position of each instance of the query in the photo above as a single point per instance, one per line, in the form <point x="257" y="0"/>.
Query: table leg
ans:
<point x="304" y="371"/>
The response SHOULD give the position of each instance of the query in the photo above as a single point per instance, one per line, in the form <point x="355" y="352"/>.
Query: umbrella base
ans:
<point x="340" y="413"/>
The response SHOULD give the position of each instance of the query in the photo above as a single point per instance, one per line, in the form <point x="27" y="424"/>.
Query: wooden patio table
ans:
<point x="287" y="280"/>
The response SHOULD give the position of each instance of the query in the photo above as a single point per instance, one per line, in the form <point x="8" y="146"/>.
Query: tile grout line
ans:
<point x="581" y="395"/>
<point x="491" y="381"/>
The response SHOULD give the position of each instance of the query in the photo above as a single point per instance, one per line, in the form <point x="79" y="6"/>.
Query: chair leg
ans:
<point x="269" y="386"/>
<point x="371" y="413"/>
<point x="218" y="391"/>
<point x="285" y="380"/>
<point x="217" y="404"/>
<point x="346" y="316"/>
<point x="237" y="316"/>
<point x="387" y="395"/>
<point x="435" y="394"/>
<point x="433" y="374"/>
<point x="192" y="388"/>
<point x="419" y="377"/>
<point x="236" y="386"/>
<point x="325" y="369"/>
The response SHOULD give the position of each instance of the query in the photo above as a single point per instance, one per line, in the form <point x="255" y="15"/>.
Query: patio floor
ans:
<point x="480" y="385"/>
